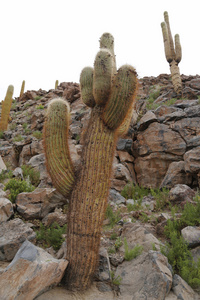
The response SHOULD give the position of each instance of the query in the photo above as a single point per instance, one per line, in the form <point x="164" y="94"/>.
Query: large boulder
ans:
<point x="6" y="209"/>
<point x="146" y="277"/>
<point x="12" y="234"/>
<point x="38" y="203"/>
<point x="31" y="273"/>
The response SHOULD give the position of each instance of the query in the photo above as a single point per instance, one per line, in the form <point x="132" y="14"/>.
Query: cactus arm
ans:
<point x="176" y="78"/>
<point x="121" y="97"/>
<point x="107" y="42"/>
<point x="6" y="106"/>
<point x="58" y="161"/>
<point x="178" y="48"/>
<point x="86" y="86"/>
<point x="22" y="88"/>
<point x="166" y="42"/>
<point x="171" y="43"/>
<point x="103" y="72"/>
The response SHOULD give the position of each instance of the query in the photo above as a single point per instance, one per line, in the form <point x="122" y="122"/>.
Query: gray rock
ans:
<point x="193" y="111"/>
<point x="182" y="290"/>
<point x="115" y="197"/>
<point x="2" y="165"/>
<point x="6" y="209"/>
<point x="146" y="120"/>
<point x="181" y="193"/>
<point x="32" y="272"/>
<point x="176" y="175"/>
<point x="192" y="160"/>
<point x="18" y="173"/>
<point x="191" y="235"/>
<point x="136" y="233"/>
<point x="12" y="234"/>
<point x="38" y="203"/>
<point x="146" y="277"/>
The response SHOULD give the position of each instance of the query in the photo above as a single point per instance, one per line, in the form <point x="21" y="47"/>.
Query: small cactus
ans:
<point x="56" y="84"/>
<point x="173" y="54"/>
<point x="22" y="88"/>
<point x="111" y="96"/>
<point x="5" y="110"/>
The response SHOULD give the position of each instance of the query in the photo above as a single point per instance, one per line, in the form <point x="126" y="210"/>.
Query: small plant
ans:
<point x="40" y="106"/>
<point x="38" y="97"/>
<point x="12" y="126"/>
<point x="16" y="187"/>
<point x="161" y="197"/>
<point x="1" y="134"/>
<point x="115" y="280"/>
<point x="33" y="174"/>
<point x="118" y="243"/>
<point x="131" y="253"/>
<point x="136" y="206"/>
<point x="37" y="134"/>
<point x="113" y="236"/>
<point x="144" y="217"/>
<point x="18" y="138"/>
<point x="135" y="192"/>
<point x="52" y="236"/>
<point x="5" y="174"/>
<point x="113" y="217"/>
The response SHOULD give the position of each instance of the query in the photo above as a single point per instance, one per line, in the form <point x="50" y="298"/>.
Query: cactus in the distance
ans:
<point x="5" y="109"/>
<point x="56" y="84"/>
<point x="111" y="96"/>
<point x="173" y="54"/>
<point x="22" y="88"/>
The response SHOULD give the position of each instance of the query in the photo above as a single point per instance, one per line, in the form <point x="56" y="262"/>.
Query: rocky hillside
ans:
<point x="156" y="172"/>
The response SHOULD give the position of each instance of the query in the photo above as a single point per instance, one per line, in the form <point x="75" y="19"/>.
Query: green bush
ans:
<point x="113" y="217"/>
<point x="40" y="106"/>
<point x="5" y="174"/>
<point x="37" y="134"/>
<point x="52" y="236"/>
<point x="16" y="186"/>
<point x="116" y="280"/>
<point x="1" y="134"/>
<point x="176" y="250"/>
<point x="131" y="191"/>
<point x="131" y="253"/>
<point x="32" y="174"/>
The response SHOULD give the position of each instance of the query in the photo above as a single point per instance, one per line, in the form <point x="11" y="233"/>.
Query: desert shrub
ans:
<point x="52" y="236"/>
<point x="16" y="186"/>
<point x="18" y="138"/>
<point x="32" y="174"/>
<point x="113" y="217"/>
<point x="131" y="253"/>
<point x="131" y="191"/>
<point x="116" y="280"/>
<point x="37" y="134"/>
<point x="40" y="106"/>
<point x="177" y="250"/>
<point x="5" y="174"/>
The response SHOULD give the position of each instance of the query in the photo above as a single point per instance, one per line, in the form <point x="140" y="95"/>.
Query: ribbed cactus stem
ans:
<point x="6" y="106"/>
<point x="87" y="214"/>
<point x="57" y="153"/>
<point x="178" y="48"/>
<point x="121" y="97"/>
<point x="103" y="72"/>
<point x="86" y="85"/>
<point x="107" y="42"/>
<point x="22" y="88"/>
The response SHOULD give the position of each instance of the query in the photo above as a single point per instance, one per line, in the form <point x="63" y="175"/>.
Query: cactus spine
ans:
<point x="5" y="110"/>
<point x="90" y="185"/>
<point x="22" y="88"/>
<point x="173" y="55"/>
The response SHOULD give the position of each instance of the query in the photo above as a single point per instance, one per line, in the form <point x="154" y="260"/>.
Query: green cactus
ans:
<point x="87" y="188"/>
<point x="5" y="109"/>
<point x="173" y="55"/>
<point x="56" y="84"/>
<point x="22" y="88"/>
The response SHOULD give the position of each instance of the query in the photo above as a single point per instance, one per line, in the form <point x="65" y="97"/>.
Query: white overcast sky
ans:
<point x="45" y="40"/>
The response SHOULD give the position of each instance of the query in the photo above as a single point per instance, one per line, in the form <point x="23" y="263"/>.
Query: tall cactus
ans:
<point x="173" y="54"/>
<point x="5" y="110"/>
<point x="56" y="84"/>
<point x="111" y="96"/>
<point x="22" y="88"/>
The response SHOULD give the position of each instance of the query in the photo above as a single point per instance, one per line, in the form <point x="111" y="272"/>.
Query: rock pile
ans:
<point x="161" y="149"/>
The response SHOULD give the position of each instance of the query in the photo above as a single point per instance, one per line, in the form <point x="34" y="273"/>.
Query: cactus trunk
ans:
<point x="176" y="77"/>
<point x="88" y="203"/>
<point x="6" y="106"/>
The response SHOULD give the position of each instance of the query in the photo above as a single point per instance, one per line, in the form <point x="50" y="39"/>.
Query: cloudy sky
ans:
<point x="47" y="40"/>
